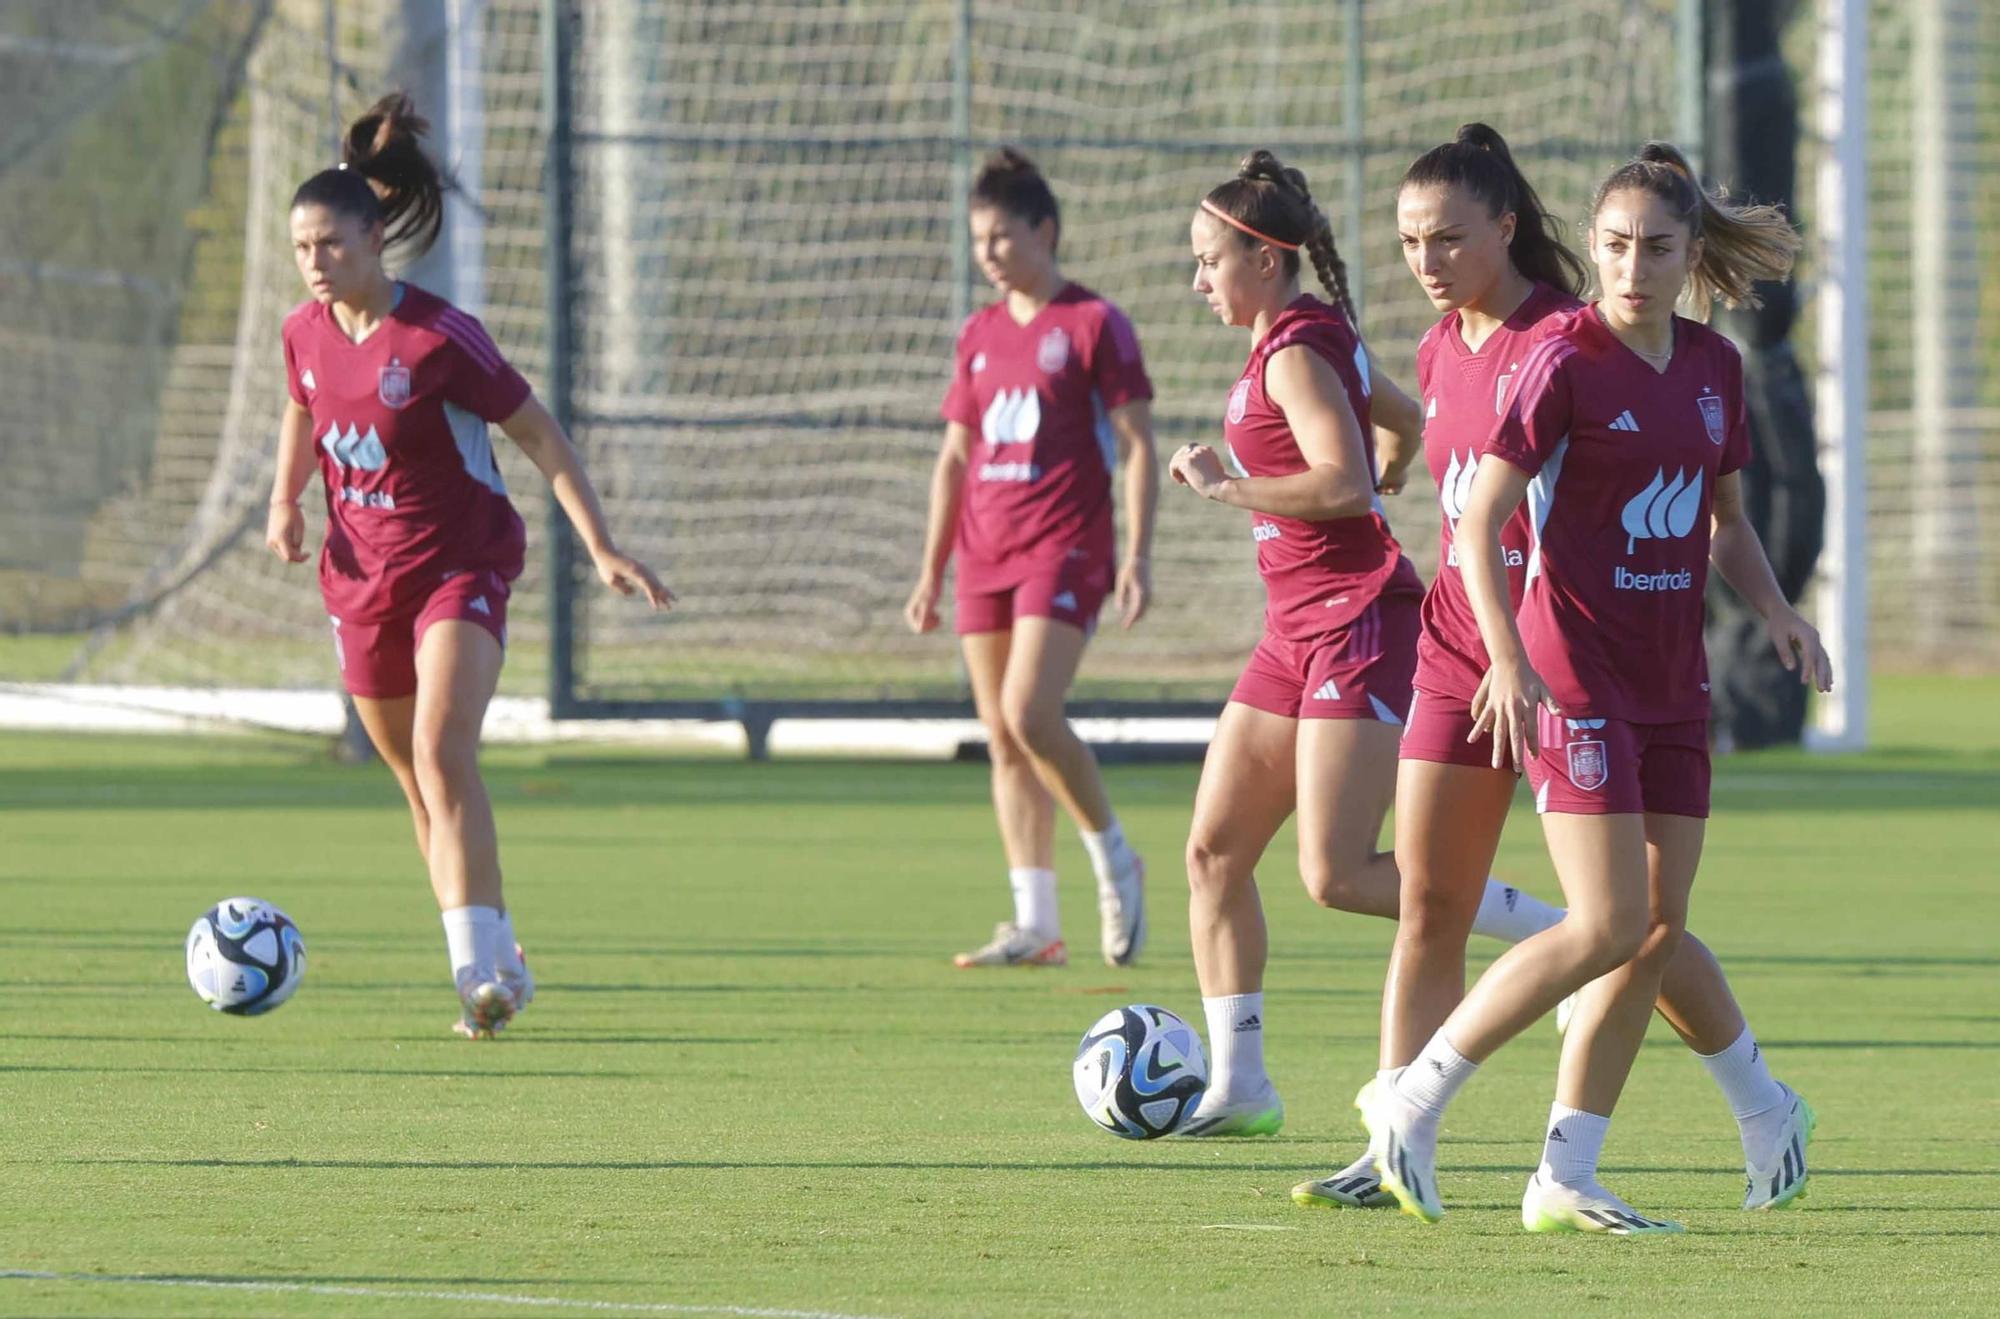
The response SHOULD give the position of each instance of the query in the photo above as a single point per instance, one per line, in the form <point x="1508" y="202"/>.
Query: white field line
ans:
<point x="397" y="1294"/>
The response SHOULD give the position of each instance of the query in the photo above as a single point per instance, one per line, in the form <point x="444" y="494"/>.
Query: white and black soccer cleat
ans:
<point x="1779" y="1178"/>
<point x="1550" y="1206"/>
<point x="1121" y="914"/>
<point x="1357" y="1186"/>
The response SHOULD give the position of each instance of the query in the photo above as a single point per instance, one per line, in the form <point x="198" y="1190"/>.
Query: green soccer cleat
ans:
<point x="1262" y="1115"/>
<point x="1357" y="1186"/>
<point x="1554" y="1207"/>
<point x="1780" y="1179"/>
<point x="1405" y="1153"/>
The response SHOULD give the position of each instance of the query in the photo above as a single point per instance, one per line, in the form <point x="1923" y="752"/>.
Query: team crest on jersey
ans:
<point x="978" y="363"/>
<point x="1711" y="416"/>
<point x="393" y="385"/>
<point x="1500" y="393"/>
<point x="1587" y="769"/>
<point x="1239" y="401"/>
<point x="1052" y="355"/>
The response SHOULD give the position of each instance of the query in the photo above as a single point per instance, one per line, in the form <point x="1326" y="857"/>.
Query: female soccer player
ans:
<point x="1489" y="257"/>
<point x="392" y="390"/>
<point x="1313" y="721"/>
<point x="1048" y="396"/>
<point x="1628" y="421"/>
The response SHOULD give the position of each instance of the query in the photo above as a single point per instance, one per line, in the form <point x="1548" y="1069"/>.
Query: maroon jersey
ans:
<point x="400" y="425"/>
<point x="1037" y="399"/>
<point x="1318" y="576"/>
<point x="1462" y="393"/>
<point x="1624" y="461"/>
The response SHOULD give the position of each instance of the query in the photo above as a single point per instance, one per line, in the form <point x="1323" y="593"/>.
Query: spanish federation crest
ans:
<point x="1500" y="391"/>
<point x="1052" y="355"/>
<point x="392" y="386"/>
<point x="1239" y="401"/>
<point x="1711" y="416"/>
<point x="1587" y="769"/>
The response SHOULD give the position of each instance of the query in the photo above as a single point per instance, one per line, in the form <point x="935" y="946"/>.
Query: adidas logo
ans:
<point x="1064" y="600"/>
<point x="1625" y="422"/>
<point x="1556" y="1135"/>
<point x="1327" y="692"/>
<point x="1437" y="1065"/>
<point x="1511" y="896"/>
<point x="1251" y="1022"/>
<point x="479" y="606"/>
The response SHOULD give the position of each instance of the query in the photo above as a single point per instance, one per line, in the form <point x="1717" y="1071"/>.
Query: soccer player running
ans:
<point x="1312" y="723"/>
<point x="1476" y="236"/>
<point x="1048" y="401"/>
<point x="392" y="390"/>
<point x="1625" y="426"/>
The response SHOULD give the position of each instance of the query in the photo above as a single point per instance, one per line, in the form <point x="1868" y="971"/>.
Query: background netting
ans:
<point x="765" y="224"/>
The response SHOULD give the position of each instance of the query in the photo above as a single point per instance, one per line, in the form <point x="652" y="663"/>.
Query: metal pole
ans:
<point x="558" y="180"/>
<point x="1357" y="159"/>
<point x="961" y="161"/>
<point x="1841" y="401"/>
<point x="332" y="81"/>
<point x="1691" y="57"/>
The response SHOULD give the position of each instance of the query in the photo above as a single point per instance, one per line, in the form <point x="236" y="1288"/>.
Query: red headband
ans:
<point x="1235" y="223"/>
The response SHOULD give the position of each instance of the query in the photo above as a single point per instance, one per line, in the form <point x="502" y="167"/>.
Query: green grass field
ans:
<point x="752" y="1078"/>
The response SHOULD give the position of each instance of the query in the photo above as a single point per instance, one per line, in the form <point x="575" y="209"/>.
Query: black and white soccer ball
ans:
<point x="1140" y="1071"/>
<point x="245" y="956"/>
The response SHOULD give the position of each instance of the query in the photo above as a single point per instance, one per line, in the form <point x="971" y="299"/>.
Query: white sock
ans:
<point x="1035" y="901"/>
<point x="506" y="947"/>
<point x="1235" y="1045"/>
<point x="1109" y="852"/>
<point x="1744" y="1079"/>
<point x="1573" y="1145"/>
<point x="1510" y="915"/>
<point x="1755" y="1099"/>
<point x="1435" y="1075"/>
<point x="470" y="936"/>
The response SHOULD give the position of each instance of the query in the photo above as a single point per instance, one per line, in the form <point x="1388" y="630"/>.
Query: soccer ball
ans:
<point x="1139" y="1072"/>
<point x="245" y="956"/>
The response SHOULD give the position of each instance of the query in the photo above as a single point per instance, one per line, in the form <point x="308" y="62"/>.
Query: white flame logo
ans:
<point x="1013" y="417"/>
<point x="1456" y="487"/>
<point x="1663" y="509"/>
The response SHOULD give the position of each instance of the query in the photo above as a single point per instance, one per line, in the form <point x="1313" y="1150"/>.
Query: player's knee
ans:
<point x="1431" y="914"/>
<point x="1332" y="881"/>
<point x="1608" y="939"/>
<point x="1210" y="870"/>
<point x="445" y="767"/>
<point x="1037" y="729"/>
<point x="1003" y="748"/>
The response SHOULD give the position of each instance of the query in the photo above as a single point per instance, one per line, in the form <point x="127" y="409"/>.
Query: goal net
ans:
<point x="766" y="266"/>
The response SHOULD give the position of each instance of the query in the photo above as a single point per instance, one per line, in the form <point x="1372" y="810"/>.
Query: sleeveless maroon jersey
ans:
<point x="1318" y="576"/>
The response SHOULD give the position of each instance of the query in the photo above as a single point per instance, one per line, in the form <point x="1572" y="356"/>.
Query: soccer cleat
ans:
<point x="520" y="984"/>
<point x="1405" y="1155"/>
<point x="1357" y="1186"/>
<point x="488" y="1007"/>
<point x="1564" y="1011"/>
<point x="1013" y="946"/>
<point x="1122" y="915"/>
<point x="1781" y="1179"/>
<point x="1556" y="1207"/>
<point x="1261" y="1115"/>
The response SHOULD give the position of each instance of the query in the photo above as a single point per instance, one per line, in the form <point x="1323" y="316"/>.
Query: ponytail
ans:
<point x="384" y="177"/>
<point x="1742" y="242"/>
<point x="1478" y="161"/>
<point x="1270" y="199"/>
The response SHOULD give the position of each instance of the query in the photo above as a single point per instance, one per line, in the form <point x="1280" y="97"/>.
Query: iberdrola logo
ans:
<point x="1663" y="510"/>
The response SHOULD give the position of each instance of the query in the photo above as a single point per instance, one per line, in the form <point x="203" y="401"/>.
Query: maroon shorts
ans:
<point x="1070" y="590"/>
<point x="379" y="660"/>
<point x="1362" y="671"/>
<point x="1437" y="729"/>
<point x="1610" y="767"/>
